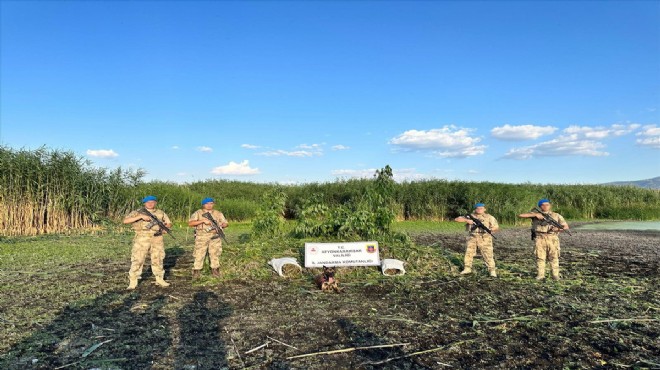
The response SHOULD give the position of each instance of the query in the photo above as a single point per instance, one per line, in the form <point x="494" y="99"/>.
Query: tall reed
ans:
<point x="53" y="191"/>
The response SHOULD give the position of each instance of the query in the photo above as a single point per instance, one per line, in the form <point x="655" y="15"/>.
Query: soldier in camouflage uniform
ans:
<point x="146" y="241"/>
<point x="479" y="239"/>
<point x="206" y="237"/>
<point x="546" y="238"/>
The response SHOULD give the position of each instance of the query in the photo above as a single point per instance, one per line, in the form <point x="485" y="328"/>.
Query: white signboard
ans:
<point x="341" y="254"/>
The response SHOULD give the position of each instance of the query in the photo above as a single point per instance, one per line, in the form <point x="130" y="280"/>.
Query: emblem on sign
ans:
<point x="371" y="248"/>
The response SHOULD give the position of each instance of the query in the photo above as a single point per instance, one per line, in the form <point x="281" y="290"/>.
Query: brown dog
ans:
<point x="326" y="281"/>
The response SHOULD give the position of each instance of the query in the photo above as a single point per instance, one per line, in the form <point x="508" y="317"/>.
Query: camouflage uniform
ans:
<point x="481" y="240"/>
<point x="547" y="244"/>
<point x="204" y="240"/>
<point x="145" y="241"/>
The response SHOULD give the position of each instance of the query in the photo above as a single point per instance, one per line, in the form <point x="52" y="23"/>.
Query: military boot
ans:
<point x="196" y="274"/>
<point x="466" y="271"/>
<point x="132" y="283"/>
<point x="540" y="271"/>
<point x="215" y="272"/>
<point x="493" y="273"/>
<point x="162" y="283"/>
<point x="555" y="273"/>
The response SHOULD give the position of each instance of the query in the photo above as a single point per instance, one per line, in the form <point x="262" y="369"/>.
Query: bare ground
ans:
<point x="463" y="322"/>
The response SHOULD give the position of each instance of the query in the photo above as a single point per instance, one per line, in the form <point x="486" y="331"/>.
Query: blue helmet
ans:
<point x="207" y="200"/>
<point x="148" y="198"/>
<point x="543" y="201"/>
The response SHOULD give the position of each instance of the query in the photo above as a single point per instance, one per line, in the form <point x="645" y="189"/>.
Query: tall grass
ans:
<point x="180" y="200"/>
<point x="443" y="200"/>
<point x="51" y="191"/>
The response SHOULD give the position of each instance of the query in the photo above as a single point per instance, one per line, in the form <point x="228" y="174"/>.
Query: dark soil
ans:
<point x="466" y="322"/>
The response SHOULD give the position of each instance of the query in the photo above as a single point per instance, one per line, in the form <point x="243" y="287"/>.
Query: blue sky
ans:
<point x="561" y="92"/>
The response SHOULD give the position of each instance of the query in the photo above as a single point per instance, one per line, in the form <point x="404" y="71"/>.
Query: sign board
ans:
<point x="341" y="254"/>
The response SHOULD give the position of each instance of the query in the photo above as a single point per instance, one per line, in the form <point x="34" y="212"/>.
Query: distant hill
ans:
<point x="653" y="183"/>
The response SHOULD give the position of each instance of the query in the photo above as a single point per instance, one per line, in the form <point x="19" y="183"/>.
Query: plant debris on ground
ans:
<point x="63" y="304"/>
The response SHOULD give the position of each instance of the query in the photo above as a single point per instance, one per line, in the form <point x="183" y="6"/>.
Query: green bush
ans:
<point x="366" y="216"/>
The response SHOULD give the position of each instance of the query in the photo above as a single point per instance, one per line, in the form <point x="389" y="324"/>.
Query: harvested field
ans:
<point x="70" y="309"/>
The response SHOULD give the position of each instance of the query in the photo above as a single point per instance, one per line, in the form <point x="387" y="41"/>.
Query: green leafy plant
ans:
<point x="366" y="216"/>
<point x="270" y="216"/>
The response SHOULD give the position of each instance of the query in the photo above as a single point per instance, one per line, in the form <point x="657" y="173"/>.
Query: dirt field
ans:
<point x="603" y="314"/>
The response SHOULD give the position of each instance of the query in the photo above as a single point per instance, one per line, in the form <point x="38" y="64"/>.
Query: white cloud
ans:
<point x="402" y="174"/>
<point x="620" y="130"/>
<point x="233" y="168"/>
<point x="575" y="140"/>
<point x="250" y="146"/>
<point x="651" y="142"/>
<point x="295" y="153"/>
<point x="650" y="130"/>
<point x="601" y="132"/>
<point x="444" y="170"/>
<point x="204" y="149"/>
<point x="448" y="141"/>
<point x="303" y="150"/>
<point x="472" y="172"/>
<point x="565" y="145"/>
<point x="363" y="173"/>
<point x="289" y="182"/>
<point x="102" y="153"/>
<point x="649" y="137"/>
<point x="182" y="173"/>
<point x="407" y="174"/>
<point x="522" y="132"/>
<point x="310" y="146"/>
<point x="340" y="147"/>
<point x="175" y="147"/>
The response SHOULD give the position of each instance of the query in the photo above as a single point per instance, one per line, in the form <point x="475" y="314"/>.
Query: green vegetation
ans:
<point x="270" y="217"/>
<point x="47" y="191"/>
<point x="61" y="295"/>
<point x="367" y="216"/>
<point x="418" y="227"/>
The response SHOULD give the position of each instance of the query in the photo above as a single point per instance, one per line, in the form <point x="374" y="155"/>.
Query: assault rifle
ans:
<point x="156" y="221"/>
<point x="480" y="225"/>
<point x="216" y="226"/>
<point x="552" y="221"/>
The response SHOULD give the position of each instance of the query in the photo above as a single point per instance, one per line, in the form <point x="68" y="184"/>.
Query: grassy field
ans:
<point x="62" y="296"/>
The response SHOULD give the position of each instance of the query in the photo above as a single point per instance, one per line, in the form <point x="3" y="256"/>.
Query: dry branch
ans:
<point x="235" y="348"/>
<point x="280" y="342"/>
<point x="619" y="320"/>
<point x="419" y="353"/>
<point x="344" y="350"/>
<point x="257" y="348"/>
